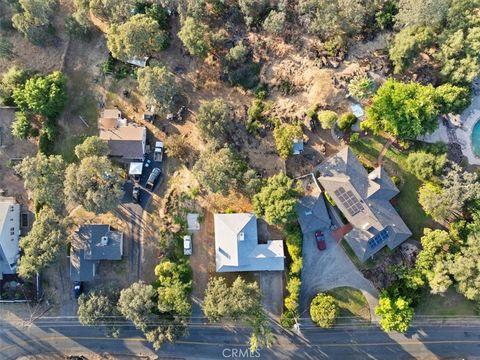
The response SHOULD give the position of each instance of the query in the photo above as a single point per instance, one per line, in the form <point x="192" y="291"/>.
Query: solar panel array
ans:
<point x="378" y="239"/>
<point x="349" y="201"/>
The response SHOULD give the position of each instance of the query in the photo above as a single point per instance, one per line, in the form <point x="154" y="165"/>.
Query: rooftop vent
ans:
<point x="104" y="241"/>
<point x="241" y="236"/>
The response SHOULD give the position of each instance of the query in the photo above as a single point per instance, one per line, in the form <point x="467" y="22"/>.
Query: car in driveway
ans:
<point x="77" y="289"/>
<point x="187" y="245"/>
<point x="320" y="239"/>
<point x="152" y="179"/>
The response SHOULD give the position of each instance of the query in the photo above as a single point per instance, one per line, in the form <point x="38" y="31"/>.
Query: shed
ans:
<point x="136" y="168"/>
<point x="297" y="146"/>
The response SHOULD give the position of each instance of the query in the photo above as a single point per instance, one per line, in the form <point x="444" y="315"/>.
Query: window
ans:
<point x="12" y="231"/>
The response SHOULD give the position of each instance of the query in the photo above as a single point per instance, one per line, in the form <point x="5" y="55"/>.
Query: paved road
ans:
<point x="58" y="336"/>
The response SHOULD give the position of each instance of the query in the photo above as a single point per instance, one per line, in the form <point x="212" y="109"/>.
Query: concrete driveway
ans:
<point x="330" y="268"/>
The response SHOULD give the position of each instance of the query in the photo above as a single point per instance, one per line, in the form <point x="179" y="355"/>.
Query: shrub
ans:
<point x="355" y="137"/>
<point x="327" y="118"/>
<point x="287" y="320"/>
<point x="360" y="87"/>
<point x="323" y="310"/>
<point x="346" y="121"/>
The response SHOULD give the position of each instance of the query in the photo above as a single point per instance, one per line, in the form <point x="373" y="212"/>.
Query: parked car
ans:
<point x="152" y="179"/>
<point x="187" y="245"/>
<point x="158" y="153"/>
<point x="320" y="238"/>
<point x="136" y="194"/>
<point x="77" y="289"/>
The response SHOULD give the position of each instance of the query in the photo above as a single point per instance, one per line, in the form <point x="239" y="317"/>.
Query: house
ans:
<point x="364" y="199"/>
<point x="297" y="147"/>
<point x="127" y="141"/>
<point x="312" y="214"/>
<point x="237" y="247"/>
<point x="91" y="244"/>
<point x="9" y="235"/>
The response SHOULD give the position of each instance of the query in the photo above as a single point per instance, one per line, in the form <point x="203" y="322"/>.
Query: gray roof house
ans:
<point x="9" y="235"/>
<point x="364" y="199"/>
<point x="312" y="214"/>
<point x="237" y="247"/>
<point x="90" y="244"/>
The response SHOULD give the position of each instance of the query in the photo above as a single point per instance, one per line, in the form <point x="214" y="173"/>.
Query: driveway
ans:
<point x="271" y="284"/>
<point x="330" y="268"/>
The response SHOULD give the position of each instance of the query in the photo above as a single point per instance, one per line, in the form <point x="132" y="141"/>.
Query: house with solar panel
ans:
<point x="364" y="199"/>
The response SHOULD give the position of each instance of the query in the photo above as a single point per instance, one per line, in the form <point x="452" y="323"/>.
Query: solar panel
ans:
<point x="378" y="239"/>
<point x="349" y="201"/>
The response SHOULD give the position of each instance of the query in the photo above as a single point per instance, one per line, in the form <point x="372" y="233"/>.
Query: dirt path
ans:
<point x="384" y="151"/>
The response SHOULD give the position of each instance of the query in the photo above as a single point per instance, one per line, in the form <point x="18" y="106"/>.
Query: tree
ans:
<point x="43" y="95"/>
<point x="213" y="120"/>
<point x="44" y="176"/>
<point x="323" y="310"/>
<point x="95" y="183"/>
<point x="92" y="146"/>
<point x="158" y="86"/>
<point x="98" y="308"/>
<point x="193" y="35"/>
<point x="276" y="201"/>
<point x="406" y="110"/>
<point x="253" y="10"/>
<point x="136" y="304"/>
<point x="432" y="259"/>
<point x="137" y="38"/>
<point x="452" y="99"/>
<point x="327" y="118"/>
<point x="425" y="165"/>
<point x="407" y="44"/>
<point x="346" y="121"/>
<point x="274" y="23"/>
<point x="395" y="312"/>
<point x="219" y="170"/>
<point x="433" y="200"/>
<point x="34" y="19"/>
<point x="216" y="303"/>
<point x="360" y="87"/>
<point x="284" y="136"/>
<point x="22" y="126"/>
<point x="15" y="77"/>
<point x="422" y="13"/>
<point x="113" y="11"/>
<point x="79" y="24"/>
<point x="43" y="244"/>
<point x="465" y="269"/>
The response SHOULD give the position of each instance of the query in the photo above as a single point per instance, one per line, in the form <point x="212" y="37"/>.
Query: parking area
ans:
<point x="271" y="284"/>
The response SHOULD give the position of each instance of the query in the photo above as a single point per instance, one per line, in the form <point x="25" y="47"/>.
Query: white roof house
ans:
<point x="237" y="247"/>
<point x="9" y="235"/>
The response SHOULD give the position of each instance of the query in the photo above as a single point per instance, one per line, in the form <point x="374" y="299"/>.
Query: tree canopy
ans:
<point x="92" y="146"/>
<point x="425" y="165"/>
<point x="395" y="312"/>
<point x="284" y="136"/>
<point x="276" y="201"/>
<point x="213" y="119"/>
<point x="137" y="305"/>
<point x="193" y="35"/>
<point x="158" y="86"/>
<point x="34" y="19"/>
<point x="98" y="308"/>
<point x="327" y="118"/>
<point x="323" y="310"/>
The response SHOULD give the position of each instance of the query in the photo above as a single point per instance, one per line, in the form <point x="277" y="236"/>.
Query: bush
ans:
<point x="346" y="121"/>
<point x="323" y="310"/>
<point x="327" y="118"/>
<point x="247" y="76"/>
<point x="287" y="320"/>
<point x="355" y="137"/>
<point x="360" y="87"/>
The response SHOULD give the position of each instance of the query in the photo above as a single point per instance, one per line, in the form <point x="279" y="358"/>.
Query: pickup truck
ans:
<point x="158" y="153"/>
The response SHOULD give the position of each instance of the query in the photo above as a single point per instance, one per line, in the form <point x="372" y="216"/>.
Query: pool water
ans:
<point x="476" y="139"/>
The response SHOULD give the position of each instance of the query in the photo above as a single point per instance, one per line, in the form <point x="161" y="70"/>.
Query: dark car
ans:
<point x="77" y="289"/>
<point x="320" y="238"/>
<point x="152" y="179"/>
<point x="136" y="194"/>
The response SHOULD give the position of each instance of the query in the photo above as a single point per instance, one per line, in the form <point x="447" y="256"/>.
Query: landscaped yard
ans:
<point x="406" y="203"/>
<point x="450" y="303"/>
<point x="351" y="302"/>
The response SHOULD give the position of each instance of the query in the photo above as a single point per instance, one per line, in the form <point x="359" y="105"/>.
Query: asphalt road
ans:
<point x="59" y="336"/>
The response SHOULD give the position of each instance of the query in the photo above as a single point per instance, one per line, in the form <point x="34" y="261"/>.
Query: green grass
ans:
<point x="351" y="302"/>
<point x="450" y="303"/>
<point x="368" y="149"/>
<point x="65" y="146"/>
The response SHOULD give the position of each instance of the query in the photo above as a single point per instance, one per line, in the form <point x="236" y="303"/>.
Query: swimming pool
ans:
<point x="476" y="139"/>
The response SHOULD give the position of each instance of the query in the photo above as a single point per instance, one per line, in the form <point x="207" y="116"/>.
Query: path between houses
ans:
<point x="384" y="151"/>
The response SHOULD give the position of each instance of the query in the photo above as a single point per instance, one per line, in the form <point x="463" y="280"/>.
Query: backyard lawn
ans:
<point x="351" y="302"/>
<point x="406" y="203"/>
<point x="448" y="304"/>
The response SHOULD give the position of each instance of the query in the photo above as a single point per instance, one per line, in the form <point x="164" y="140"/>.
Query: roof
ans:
<point x="237" y="247"/>
<point x="364" y="199"/>
<point x="297" y="146"/>
<point x="126" y="140"/>
<point x="312" y="213"/>
<point x="90" y="244"/>
<point x="136" y="168"/>
<point x="9" y="235"/>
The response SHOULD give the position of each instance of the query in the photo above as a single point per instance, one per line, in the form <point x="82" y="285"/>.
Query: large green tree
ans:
<point x="405" y="110"/>
<point x="253" y="10"/>
<point x="137" y="38"/>
<point x="98" y="308"/>
<point x="324" y="310"/>
<point x="276" y="201"/>
<point x="158" y="86"/>
<point x="136" y="303"/>
<point x="395" y="312"/>
<point x="407" y="44"/>
<point x="12" y="79"/>
<point x="92" y="146"/>
<point x="422" y="13"/>
<point x="213" y="119"/>
<point x="43" y="95"/>
<point x="43" y="244"/>
<point x="193" y="35"/>
<point x="284" y="136"/>
<point x="95" y="183"/>
<point x="44" y="177"/>
<point x="113" y="11"/>
<point x="22" y="126"/>
<point x="425" y="165"/>
<point x="34" y="19"/>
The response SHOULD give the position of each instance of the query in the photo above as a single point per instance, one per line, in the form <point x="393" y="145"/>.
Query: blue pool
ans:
<point x="476" y="139"/>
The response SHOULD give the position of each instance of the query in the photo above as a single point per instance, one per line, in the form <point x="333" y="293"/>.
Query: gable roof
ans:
<point x="364" y="199"/>
<point x="9" y="235"/>
<point x="237" y="248"/>
<point x="312" y="213"/>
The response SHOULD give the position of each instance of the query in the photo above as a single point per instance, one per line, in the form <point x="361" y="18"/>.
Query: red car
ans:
<point x="320" y="238"/>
